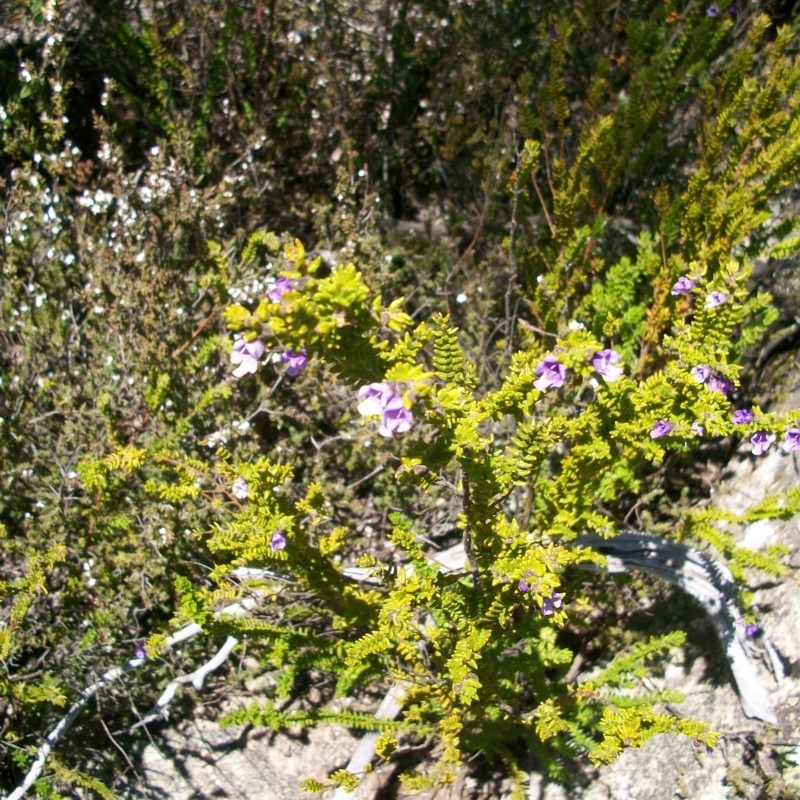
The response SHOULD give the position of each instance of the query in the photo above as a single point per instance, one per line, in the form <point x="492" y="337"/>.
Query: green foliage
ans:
<point x="271" y="717"/>
<point x="21" y="592"/>
<point x="451" y="638"/>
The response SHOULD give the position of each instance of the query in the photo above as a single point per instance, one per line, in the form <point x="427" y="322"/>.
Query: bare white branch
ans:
<point x="196" y="678"/>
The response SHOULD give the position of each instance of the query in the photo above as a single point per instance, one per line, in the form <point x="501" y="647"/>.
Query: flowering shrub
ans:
<point x="151" y="457"/>
<point x="516" y="581"/>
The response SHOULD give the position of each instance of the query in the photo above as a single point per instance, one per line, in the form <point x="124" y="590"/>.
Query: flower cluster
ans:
<point x="552" y="373"/>
<point x="381" y="400"/>
<point x="761" y="441"/>
<point x="704" y="374"/>
<point x="246" y="355"/>
<point x="685" y="285"/>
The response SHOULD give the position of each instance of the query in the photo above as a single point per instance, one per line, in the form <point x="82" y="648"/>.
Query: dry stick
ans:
<point x="196" y="678"/>
<point x="711" y="584"/>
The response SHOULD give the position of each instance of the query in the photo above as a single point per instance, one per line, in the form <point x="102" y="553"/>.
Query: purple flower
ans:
<point x="698" y="429"/>
<point x="682" y="286"/>
<point x="246" y="355"/>
<point x="523" y="585"/>
<point x="373" y="396"/>
<point x="715" y="299"/>
<point x="295" y="361"/>
<point x="395" y="418"/>
<point x="702" y="373"/>
<point x="277" y="542"/>
<point x="742" y="416"/>
<point x="733" y="9"/>
<point x="139" y="652"/>
<point x="752" y="630"/>
<point x="661" y="428"/>
<point x="282" y="285"/>
<point x="604" y="364"/>
<point x="721" y="385"/>
<point x="551" y="604"/>
<point x="240" y="489"/>
<point x="761" y="441"/>
<point x="792" y="439"/>
<point x="381" y="400"/>
<point x="552" y="374"/>
<point x="712" y="10"/>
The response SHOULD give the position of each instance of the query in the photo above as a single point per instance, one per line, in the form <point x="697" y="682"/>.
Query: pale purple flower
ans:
<point x="715" y="299"/>
<point x="604" y="364"/>
<point x="661" y="428"/>
<point x="752" y="630"/>
<point x="552" y="374"/>
<point x="373" y="396"/>
<point x="712" y="10"/>
<point x="282" y="285"/>
<point x="277" y="542"/>
<point x="721" y="385"/>
<point x="240" y="489"/>
<point x="761" y="441"/>
<point x="523" y="585"/>
<point x="682" y="286"/>
<point x="551" y="604"/>
<point x="792" y="439"/>
<point x="381" y="400"/>
<point x="139" y="652"/>
<point x="702" y="372"/>
<point x="246" y="355"/>
<point x="295" y="361"/>
<point x="742" y="416"/>
<point x="698" y="429"/>
<point x="395" y="418"/>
